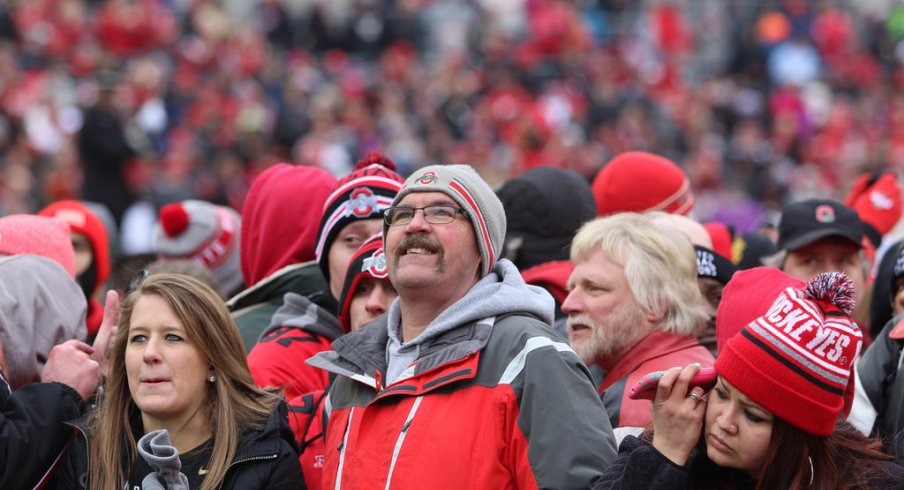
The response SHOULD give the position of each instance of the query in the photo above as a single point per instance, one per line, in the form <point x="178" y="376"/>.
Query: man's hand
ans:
<point x="71" y="363"/>
<point x="103" y="342"/>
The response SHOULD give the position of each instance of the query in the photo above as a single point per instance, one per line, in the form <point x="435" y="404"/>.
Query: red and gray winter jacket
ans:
<point x="493" y="399"/>
<point x="299" y="329"/>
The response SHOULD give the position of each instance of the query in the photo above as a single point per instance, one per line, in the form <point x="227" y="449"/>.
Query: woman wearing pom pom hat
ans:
<point x="774" y="418"/>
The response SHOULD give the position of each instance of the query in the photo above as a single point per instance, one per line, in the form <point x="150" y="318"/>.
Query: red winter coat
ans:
<point x="297" y="331"/>
<point x="501" y="406"/>
<point x="657" y="352"/>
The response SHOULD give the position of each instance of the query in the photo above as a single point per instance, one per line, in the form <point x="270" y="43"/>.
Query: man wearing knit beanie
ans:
<point x="203" y="232"/>
<point x="278" y="237"/>
<point x="366" y="294"/>
<point x="465" y="337"/>
<point x="91" y="246"/>
<point x="350" y="215"/>
<point x="544" y="208"/>
<point x="639" y="181"/>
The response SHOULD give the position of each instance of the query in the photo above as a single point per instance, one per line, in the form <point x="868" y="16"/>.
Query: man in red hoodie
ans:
<point x="280" y="218"/>
<point x="302" y="326"/>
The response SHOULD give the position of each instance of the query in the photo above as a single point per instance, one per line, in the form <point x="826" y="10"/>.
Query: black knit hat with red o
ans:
<point x="362" y="194"/>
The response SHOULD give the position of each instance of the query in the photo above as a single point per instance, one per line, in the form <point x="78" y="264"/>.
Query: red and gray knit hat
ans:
<point x="468" y="189"/>
<point x="638" y="181"/>
<point x="27" y="234"/>
<point x="364" y="193"/>
<point x="368" y="261"/>
<point x="795" y="357"/>
<point x="203" y="232"/>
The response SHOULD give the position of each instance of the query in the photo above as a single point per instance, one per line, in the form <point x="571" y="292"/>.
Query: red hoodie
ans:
<point x="280" y="218"/>
<point x="82" y="219"/>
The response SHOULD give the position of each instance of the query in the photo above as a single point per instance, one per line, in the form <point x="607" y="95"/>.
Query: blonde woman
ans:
<point x="179" y="377"/>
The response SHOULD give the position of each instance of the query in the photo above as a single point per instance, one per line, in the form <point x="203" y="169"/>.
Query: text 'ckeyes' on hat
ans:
<point x="368" y="261"/>
<point x="364" y="193"/>
<point x="468" y="189"/>
<point x="204" y="232"/>
<point x="796" y="357"/>
<point x="805" y="222"/>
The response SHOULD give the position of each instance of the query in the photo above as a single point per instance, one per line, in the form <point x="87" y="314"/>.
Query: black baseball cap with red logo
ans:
<point x="805" y="222"/>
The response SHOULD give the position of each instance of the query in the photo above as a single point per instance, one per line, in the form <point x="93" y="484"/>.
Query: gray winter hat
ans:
<point x="468" y="189"/>
<point x="204" y="232"/>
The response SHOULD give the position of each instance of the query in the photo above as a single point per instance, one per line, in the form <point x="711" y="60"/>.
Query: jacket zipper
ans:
<point x="82" y="434"/>
<point x="342" y="447"/>
<point x="398" y="445"/>
<point x="255" y="458"/>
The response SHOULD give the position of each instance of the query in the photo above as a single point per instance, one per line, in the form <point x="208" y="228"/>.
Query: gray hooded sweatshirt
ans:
<point x="499" y="292"/>
<point x="40" y="306"/>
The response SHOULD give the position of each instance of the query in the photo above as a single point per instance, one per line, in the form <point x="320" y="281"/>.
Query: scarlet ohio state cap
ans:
<point x="805" y="222"/>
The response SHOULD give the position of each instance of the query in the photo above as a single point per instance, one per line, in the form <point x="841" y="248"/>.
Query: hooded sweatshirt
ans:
<point x="299" y="329"/>
<point x="280" y="219"/>
<point x="40" y="307"/>
<point x="81" y="219"/>
<point x="499" y="292"/>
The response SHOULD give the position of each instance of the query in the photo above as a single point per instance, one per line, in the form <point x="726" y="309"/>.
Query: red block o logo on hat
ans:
<point x="427" y="178"/>
<point x="361" y="202"/>
<point x="825" y="214"/>
<point x="375" y="265"/>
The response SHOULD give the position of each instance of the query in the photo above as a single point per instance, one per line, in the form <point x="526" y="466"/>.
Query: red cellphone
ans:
<point x="645" y="389"/>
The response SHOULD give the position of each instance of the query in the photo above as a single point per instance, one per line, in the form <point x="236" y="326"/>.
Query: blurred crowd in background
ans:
<point x="138" y="103"/>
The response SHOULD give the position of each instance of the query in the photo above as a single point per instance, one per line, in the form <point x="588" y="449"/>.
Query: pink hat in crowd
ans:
<point x="27" y="234"/>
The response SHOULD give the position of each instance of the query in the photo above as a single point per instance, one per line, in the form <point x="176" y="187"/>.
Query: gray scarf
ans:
<point x="155" y="447"/>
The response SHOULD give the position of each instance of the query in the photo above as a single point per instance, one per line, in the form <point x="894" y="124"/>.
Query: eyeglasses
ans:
<point x="436" y="214"/>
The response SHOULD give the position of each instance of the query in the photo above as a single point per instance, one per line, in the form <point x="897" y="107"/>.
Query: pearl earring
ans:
<point x="212" y="379"/>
